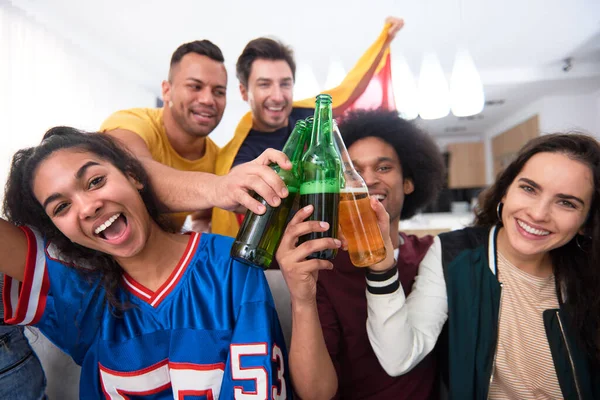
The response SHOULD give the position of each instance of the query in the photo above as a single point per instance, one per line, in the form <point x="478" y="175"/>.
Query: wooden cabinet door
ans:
<point x="466" y="166"/>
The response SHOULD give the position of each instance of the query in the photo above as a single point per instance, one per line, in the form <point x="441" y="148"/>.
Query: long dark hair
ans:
<point x="576" y="266"/>
<point x="22" y="208"/>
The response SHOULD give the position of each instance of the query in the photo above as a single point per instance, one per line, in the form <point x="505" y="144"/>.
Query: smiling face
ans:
<point x="378" y="164"/>
<point x="195" y="94"/>
<point x="545" y="206"/>
<point x="269" y="94"/>
<point x="92" y="202"/>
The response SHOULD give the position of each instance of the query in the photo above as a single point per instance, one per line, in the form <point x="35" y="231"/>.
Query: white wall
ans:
<point x="556" y="114"/>
<point x="47" y="81"/>
<point x="566" y="113"/>
<point x="598" y="113"/>
<point x="235" y="110"/>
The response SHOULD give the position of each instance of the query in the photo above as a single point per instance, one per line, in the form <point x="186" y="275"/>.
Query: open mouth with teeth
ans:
<point x="113" y="228"/>
<point x="531" y="230"/>
<point x="202" y="115"/>
<point x="379" y="197"/>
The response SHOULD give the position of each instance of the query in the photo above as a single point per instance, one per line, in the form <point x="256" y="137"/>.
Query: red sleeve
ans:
<point x="24" y="302"/>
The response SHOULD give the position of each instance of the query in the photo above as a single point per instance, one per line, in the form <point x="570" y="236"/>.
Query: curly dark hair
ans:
<point x="419" y="155"/>
<point x="200" y="47"/>
<point x="266" y="49"/>
<point x="22" y="208"/>
<point x="575" y="270"/>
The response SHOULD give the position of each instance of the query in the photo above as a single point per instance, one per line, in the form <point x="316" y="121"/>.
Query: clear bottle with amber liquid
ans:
<point x="358" y="221"/>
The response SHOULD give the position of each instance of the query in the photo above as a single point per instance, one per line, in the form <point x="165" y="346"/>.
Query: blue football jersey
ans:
<point x="209" y="332"/>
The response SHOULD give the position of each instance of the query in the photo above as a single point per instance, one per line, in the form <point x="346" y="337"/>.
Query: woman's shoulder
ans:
<point x="469" y="237"/>
<point x="216" y="250"/>
<point x="216" y="243"/>
<point x="463" y="247"/>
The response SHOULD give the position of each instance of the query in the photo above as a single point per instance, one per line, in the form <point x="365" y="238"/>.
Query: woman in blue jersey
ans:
<point x="520" y="289"/>
<point x="144" y="311"/>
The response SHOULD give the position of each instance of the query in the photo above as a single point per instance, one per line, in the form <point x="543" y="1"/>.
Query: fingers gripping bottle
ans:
<point x="259" y="236"/>
<point x="358" y="220"/>
<point x="321" y="169"/>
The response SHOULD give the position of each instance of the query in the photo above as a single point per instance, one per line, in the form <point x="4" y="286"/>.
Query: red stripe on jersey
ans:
<point x="137" y="289"/>
<point x="42" y="298"/>
<point x="197" y="367"/>
<point x="30" y="304"/>
<point x="142" y="371"/>
<point x="6" y="297"/>
<point x="155" y="298"/>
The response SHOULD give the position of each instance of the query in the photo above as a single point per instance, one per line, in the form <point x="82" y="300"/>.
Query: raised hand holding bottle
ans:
<point x="259" y="235"/>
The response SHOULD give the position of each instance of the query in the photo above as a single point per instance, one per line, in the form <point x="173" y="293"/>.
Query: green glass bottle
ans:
<point x="321" y="169"/>
<point x="309" y="126"/>
<point x="259" y="235"/>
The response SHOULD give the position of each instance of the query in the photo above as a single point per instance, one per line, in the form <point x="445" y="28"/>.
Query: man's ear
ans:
<point x="166" y="91"/>
<point x="408" y="186"/>
<point x="244" y="92"/>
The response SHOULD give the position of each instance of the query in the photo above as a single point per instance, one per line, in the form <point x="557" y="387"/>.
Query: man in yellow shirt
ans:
<point x="266" y="71"/>
<point x="173" y="140"/>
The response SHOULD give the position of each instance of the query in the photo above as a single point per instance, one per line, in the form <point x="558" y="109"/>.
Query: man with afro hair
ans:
<point x="403" y="168"/>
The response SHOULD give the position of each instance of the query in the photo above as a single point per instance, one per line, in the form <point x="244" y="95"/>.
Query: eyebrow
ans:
<point x="263" y="79"/>
<point x="78" y="175"/>
<point x="561" y="196"/>
<point x="379" y="160"/>
<point x="203" y="83"/>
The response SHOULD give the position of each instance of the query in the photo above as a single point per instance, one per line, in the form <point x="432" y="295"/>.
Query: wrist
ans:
<point x="303" y="306"/>
<point x="209" y="187"/>
<point x="383" y="282"/>
<point x="383" y="267"/>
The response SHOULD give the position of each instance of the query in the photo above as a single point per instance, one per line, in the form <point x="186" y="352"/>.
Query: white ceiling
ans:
<point x="517" y="45"/>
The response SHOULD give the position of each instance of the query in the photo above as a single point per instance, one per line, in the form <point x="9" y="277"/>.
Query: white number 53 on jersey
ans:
<point x="186" y="379"/>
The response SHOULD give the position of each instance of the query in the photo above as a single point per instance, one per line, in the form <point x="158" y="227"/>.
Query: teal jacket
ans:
<point x="474" y="293"/>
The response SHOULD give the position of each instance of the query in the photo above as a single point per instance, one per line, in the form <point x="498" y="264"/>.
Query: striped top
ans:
<point x="524" y="368"/>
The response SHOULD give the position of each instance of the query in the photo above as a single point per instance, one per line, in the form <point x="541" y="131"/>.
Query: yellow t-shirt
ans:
<point x="148" y="124"/>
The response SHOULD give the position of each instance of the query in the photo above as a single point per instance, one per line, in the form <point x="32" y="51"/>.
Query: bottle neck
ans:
<point x="323" y="124"/>
<point x="294" y="147"/>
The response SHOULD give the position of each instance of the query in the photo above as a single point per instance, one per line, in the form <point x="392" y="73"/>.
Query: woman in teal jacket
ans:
<point x="520" y="290"/>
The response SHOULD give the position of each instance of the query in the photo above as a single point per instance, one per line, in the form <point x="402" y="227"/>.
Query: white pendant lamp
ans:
<point x="405" y="89"/>
<point x="433" y="93"/>
<point x="466" y="90"/>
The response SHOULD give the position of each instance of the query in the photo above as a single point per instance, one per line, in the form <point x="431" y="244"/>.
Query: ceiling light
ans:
<point x="466" y="90"/>
<point x="405" y="89"/>
<point x="433" y="94"/>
